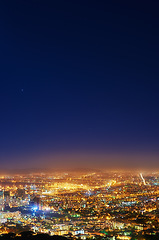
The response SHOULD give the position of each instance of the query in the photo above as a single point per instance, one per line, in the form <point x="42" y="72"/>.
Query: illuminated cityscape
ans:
<point x="81" y="204"/>
<point x="79" y="120"/>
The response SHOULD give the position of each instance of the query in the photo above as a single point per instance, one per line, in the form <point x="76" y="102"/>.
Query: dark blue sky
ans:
<point x="78" y="77"/>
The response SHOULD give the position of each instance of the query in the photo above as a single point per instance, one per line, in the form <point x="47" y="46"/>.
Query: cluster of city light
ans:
<point x="104" y="200"/>
<point x="66" y="187"/>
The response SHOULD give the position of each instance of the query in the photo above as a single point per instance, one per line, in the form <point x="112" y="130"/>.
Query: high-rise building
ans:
<point x="1" y="201"/>
<point x="20" y="193"/>
<point x="6" y="197"/>
<point x="37" y="202"/>
<point x="1" y="194"/>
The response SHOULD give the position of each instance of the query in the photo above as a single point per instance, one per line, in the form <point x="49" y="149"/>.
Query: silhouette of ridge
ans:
<point x="29" y="235"/>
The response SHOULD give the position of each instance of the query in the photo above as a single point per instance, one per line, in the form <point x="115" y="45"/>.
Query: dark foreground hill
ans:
<point x="28" y="235"/>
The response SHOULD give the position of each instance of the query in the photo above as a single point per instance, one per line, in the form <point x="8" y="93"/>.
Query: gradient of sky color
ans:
<point x="79" y="78"/>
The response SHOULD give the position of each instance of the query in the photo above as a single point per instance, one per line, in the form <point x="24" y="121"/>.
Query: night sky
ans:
<point x="79" y="83"/>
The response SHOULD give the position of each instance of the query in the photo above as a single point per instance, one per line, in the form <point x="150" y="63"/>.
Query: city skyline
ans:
<point x="84" y="205"/>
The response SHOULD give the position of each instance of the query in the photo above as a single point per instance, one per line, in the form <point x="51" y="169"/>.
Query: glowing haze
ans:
<point x="68" y="161"/>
